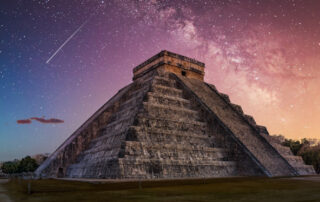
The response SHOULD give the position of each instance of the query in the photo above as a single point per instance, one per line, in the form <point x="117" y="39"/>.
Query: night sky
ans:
<point x="60" y="60"/>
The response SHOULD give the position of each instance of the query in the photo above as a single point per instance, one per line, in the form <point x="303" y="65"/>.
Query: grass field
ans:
<point x="223" y="189"/>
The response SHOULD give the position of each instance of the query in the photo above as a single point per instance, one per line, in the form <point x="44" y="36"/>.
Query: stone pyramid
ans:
<point x="169" y="123"/>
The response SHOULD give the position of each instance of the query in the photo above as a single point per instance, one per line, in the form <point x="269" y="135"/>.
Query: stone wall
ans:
<point x="248" y="137"/>
<point x="171" y="62"/>
<point x="57" y="163"/>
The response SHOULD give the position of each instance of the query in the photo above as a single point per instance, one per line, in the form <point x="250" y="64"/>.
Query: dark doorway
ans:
<point x="60" y="172"/>
<point x="183" y="73"/>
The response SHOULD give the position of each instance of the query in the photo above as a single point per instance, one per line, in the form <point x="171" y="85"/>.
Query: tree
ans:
<point x="295" y="145"/>
<point x="311" y="156"/>
<point x="27" y="164"/>
<point x="10" y="167"/>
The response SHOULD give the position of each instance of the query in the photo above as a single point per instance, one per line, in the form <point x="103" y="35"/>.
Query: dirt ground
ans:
<point x="3" y="192"/>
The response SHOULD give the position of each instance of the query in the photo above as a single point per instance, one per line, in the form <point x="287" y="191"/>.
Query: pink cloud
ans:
<point x="41" y="120"/>
<point x="24" y="121"/>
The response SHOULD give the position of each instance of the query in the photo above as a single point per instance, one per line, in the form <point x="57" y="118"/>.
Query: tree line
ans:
<point x="27" y="164"/>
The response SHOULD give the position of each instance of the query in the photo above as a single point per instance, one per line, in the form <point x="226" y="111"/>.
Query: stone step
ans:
<point x="294" y="160"/>
<point x="250" y="119"/>
<point x="128" y="101"/>
<point x="238" y="108"/>
<point x="262" y="129"/>
<point x="99" y="155"/>
<point x="107" y="138"/>
<point x="107" y="168"/>
<point x="167" y="111"/>
<point x="150" y="168"/>
<point x="225" y="97"/>
<point x="298" y="163"/>
<point x="173" y="146"/>
<point x="117" y="125"/>
<point x="122" y="113"/>
<point x="164" y="90"/>
<point x="100" y="152"/>
<point x="162" y="154"/>
<point x="86" y="164"/>
<point x="173" y="132"/>
<point x="147" y="79"/>
<point x="212" y="86"/>
<point x="145" y="121"/>
<point x="305" y="170"/>
<point x="136" y="92"/>
<point x="133" y="101"/>
<point x="283" y="150"/>
<point x="274" y="141"/>
<point x="177" y="162"/>
<point x="161" y="135"/>
<point x="172" y="151"/>
<point x="164" y="81"/>
<point x="168" y="100"/>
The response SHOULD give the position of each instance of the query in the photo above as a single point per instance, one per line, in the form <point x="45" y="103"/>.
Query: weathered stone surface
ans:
<point x="260" y="150"/>
<point x="250" y="119"/>
<point x="167" y="126"/>
<point x="295" y="161"/>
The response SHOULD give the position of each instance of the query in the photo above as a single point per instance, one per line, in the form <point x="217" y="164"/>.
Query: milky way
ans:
<point x="264" y="54"/>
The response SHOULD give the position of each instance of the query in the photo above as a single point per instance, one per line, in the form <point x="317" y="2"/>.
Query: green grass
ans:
<point x="224" y="189"/>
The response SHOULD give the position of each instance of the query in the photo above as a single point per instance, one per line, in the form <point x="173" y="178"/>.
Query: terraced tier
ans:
<point x="165" y="90"/>
<point x="171" y="124"/>
<point x="165" y="168"/>
<point x="168" y="100"/>
<point x="157" y="135"/>
<point x="169" y="132"/>
<point x="247" y="136"/>
<point x="173" y="151"/>
<point x="168" y="111"/>
<point x="295" y="161"/>
<point x="103" y="151"/>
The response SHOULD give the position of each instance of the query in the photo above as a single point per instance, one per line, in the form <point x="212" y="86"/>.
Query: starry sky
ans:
<point x="61" y="60"/>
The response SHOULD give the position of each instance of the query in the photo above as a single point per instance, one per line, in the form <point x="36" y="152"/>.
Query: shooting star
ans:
<point x="66" y="41"/>
<point x="74" y="33"/>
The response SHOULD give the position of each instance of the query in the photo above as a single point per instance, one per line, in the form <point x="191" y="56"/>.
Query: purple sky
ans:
<point x="62" y="60"/>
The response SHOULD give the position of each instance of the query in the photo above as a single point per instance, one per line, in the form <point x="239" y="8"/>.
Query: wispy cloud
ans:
<point x="24" y="121"/>
<point x="41" y="120"/>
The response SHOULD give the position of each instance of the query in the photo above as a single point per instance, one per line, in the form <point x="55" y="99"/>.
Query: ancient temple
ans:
<point x="169" y="123"/>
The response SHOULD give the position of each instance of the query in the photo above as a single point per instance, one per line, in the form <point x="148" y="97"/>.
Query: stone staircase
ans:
<point x="295" y="161"/>
<point x="169" y="140"/>
<point x="154" y="134"/>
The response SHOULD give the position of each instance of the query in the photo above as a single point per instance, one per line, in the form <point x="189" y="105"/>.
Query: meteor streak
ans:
<point x="72" y="35"/>
<point x="68" y="39"/>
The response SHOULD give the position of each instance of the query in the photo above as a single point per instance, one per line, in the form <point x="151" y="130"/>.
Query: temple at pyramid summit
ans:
<point x="169" y="123"/>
